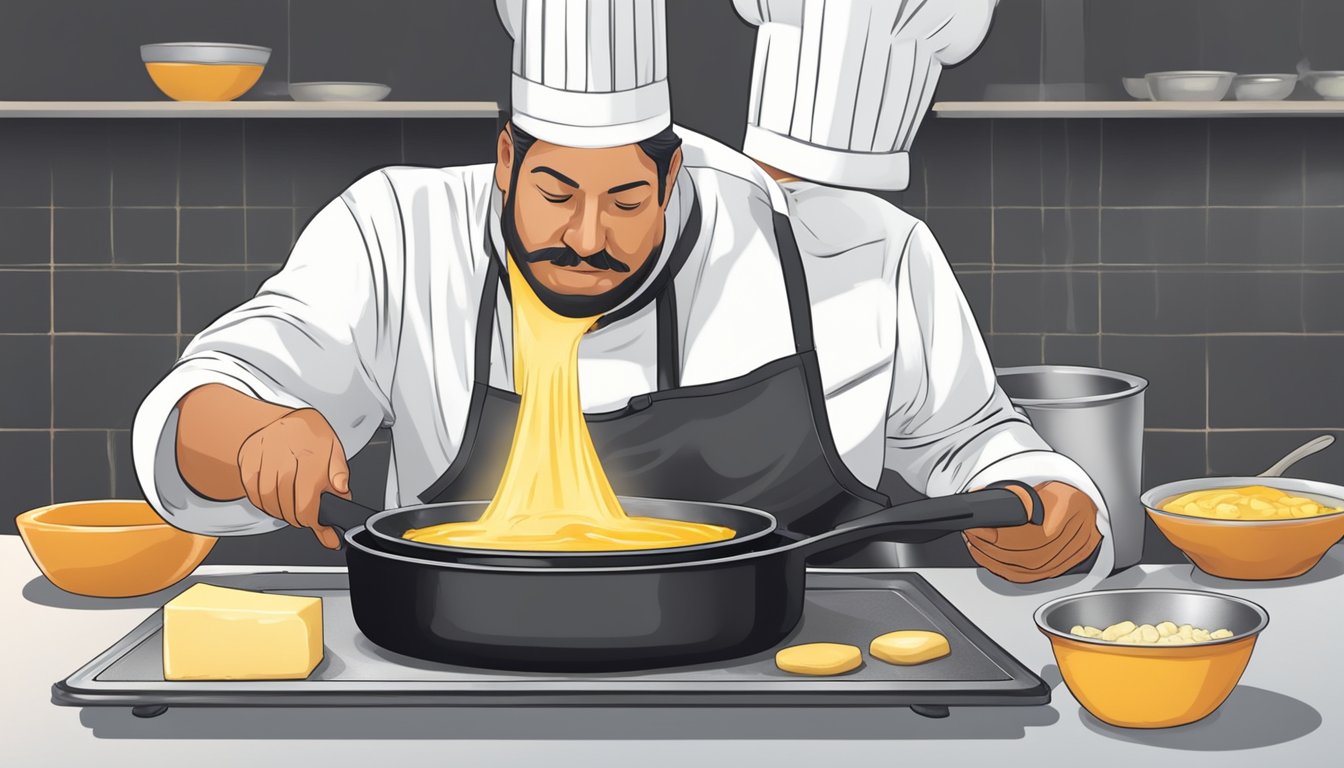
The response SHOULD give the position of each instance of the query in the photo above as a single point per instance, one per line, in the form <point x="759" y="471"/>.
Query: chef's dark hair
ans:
<point x="659" y="148"/>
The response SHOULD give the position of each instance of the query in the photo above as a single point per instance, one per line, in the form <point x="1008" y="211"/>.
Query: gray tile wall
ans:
<point x="121" y="239"/>
<point x="1204" y="255"/>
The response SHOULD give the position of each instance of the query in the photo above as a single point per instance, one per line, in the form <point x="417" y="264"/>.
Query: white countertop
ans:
<point x="1286" y="711"/>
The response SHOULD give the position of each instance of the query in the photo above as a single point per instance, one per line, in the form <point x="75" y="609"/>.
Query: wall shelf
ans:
<point x="250" y="109"/>
<point x="1133" y="109"/>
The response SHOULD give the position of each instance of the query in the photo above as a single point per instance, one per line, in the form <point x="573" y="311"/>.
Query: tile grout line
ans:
<point x="111" y="465"/>
<point x="1208" y="424"/>
<point x="1007" y="207"/>
<point x="993" y="231"/>
<point x="244" y="131"/>
<point x="1101" y="171"/>
<point x="51" y="340"/>
<point x="112" y="246"/>
<point x="1302" y="222"/>
<point x="1208" y="199"/>
<point x="177" y="273"/>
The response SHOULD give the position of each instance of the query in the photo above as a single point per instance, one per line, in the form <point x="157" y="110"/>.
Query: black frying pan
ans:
<point x="388" y="528"/>
<point x="664" y="612"/>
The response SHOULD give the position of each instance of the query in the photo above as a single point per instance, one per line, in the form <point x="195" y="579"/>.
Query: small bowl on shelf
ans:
<point x="1263" y="87"/>
<point x="336" y="91"/>
<point x="1189" y="85"/>
<point x="1327" y="85"/>
<point x="204" y="71"/>
<point x="110" y="548"/>
<point x="1153" y="685"/>
<point x="1137" y="88"/>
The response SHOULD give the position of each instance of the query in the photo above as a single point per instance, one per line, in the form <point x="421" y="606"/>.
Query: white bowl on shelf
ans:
<point x="1328" y="85"/>
<point x="338" y="91"/>
<point x="1263" y="87"/>
<point x="1137" y="88"/>
<point x="1189" y="85"/>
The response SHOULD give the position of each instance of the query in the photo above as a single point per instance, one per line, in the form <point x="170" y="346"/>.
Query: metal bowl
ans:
<point x="1189" y="85"/>
<point x="334" y="91"/>
<point x="1263" y="87"/>
<point x="1328" y="85"/>
<point x="1137" y="88"/>
<point x="204" y="53"/>
<point x="1151" y="686"/>
<point x="1250" y="549"/>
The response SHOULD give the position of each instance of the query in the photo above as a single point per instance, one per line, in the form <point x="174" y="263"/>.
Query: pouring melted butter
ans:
<point x="554" y="495"/>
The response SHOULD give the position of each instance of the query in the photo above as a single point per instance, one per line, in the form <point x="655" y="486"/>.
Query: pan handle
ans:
<point x="342" y="514"/>
<point x="927" y="519"/>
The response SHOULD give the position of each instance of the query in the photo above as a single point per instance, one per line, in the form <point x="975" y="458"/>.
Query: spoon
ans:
<point x="1314" y="445"/>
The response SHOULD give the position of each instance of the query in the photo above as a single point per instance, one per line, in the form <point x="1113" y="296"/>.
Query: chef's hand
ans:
<point x="286" y="466"/>
<point x="1030" y="553"/>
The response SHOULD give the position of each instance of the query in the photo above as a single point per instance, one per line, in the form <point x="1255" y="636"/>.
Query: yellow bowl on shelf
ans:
<point x="204" y="71"/>
<point x="1151" y="686"/>
<point x="1254" y="550"/>
<point x="111" y="548"/>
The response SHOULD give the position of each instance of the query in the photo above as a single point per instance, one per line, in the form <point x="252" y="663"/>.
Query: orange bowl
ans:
<point x="203" y="82"/>
<point x="194" y="71"/>
<point x="1151" y="686"/>
<point x="110" y="548"/>
<point x="1254" y="550"/>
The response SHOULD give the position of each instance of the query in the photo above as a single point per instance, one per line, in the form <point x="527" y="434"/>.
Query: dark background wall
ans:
<point x="1206" y="255"/>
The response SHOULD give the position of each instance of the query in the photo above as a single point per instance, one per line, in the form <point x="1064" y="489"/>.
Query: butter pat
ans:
<point x="214" y="633"/>
<point x="909" y="646"/>
<point x="819" y="659"/>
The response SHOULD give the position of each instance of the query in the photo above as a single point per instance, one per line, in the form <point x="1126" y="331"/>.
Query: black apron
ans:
<point x="761" y="440"/>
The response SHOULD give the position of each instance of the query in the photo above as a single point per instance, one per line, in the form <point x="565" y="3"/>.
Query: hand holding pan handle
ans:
<point x="342" y="514"/>
<point x="996" y="506"/>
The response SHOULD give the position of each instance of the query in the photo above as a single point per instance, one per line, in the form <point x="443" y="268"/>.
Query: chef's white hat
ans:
<point x="841" y="86"/>
<point x="589" y="73"/>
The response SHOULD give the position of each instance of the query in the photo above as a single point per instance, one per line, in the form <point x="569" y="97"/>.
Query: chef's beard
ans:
<point x="572" y="304"/>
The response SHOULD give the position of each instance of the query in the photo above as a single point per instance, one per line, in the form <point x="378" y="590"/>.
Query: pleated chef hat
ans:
<point x="588" y="73"/>
<point x="840" y="86"/>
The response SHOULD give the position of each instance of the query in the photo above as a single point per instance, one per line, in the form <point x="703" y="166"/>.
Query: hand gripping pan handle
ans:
<point x="342" y="514"/>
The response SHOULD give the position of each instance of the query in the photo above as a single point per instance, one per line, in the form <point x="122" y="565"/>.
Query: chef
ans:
<point x="838" y="92"/>
<point x="719" y="369"/>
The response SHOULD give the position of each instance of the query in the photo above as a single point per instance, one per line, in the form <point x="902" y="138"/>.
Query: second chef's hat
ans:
<point x="840" y="86"/>
<point x="588" y="73"/>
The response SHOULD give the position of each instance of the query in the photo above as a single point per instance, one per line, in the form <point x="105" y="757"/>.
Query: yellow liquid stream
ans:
<point x="554" y="495"/>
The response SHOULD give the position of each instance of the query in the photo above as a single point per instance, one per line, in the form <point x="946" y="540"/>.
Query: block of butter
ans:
<point x="214" y="633"/>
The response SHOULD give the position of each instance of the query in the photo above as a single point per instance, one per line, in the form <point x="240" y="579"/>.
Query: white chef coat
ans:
<point x="948" y="425"/>
<point x="372" y="323"/>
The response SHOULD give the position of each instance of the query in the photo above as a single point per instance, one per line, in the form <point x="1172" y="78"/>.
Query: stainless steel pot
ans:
<point x="1094" y="417"/>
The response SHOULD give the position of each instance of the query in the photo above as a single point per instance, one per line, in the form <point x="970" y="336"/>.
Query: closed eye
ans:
<point x="628" y="206"/>
<point x="551" y="198"/>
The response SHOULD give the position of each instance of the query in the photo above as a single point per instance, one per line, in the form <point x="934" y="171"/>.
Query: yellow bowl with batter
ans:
<point x="1151" y="686"/>
<point x="1254" y="547"/>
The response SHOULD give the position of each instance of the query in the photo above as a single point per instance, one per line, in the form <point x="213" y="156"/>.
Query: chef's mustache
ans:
<point x="564" y="256"/>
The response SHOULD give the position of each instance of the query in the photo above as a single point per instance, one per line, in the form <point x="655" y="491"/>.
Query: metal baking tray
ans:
<point x="841" y="607"/>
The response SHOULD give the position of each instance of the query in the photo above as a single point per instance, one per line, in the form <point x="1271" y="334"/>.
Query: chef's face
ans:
<point x="587" y="218"/>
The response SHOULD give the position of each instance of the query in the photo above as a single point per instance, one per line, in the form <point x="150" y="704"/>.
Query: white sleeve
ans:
<point x="316" y="335"/>
<point x="950" y="427"/>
